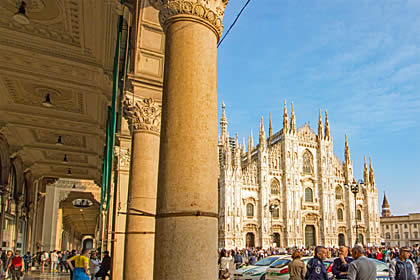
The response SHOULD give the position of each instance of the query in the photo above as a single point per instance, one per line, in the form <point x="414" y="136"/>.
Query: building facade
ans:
<point x="292" y="190"/>
<point x="399" y="230"/>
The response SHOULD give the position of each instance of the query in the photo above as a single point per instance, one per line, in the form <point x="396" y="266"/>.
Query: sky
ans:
<point x="360" y="60"/>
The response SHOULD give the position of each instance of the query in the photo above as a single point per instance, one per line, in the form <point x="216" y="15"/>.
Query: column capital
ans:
<point x="208" y="11"/>
<point x="143" y="114"/>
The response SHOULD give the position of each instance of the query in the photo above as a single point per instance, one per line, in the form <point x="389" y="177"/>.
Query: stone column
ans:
<point x="143" y="116"/>
<point x="4" y="195"/>
<point x="187" y="206"/>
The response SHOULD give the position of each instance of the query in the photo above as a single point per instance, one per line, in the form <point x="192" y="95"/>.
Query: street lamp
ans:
<point x="355" y="188"/>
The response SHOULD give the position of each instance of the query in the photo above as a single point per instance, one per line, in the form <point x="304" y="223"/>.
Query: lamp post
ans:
<point x="355" y="188"/>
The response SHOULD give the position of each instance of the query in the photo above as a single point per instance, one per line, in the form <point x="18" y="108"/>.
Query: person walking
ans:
<point x="27" y="260"/>
<point x="81" y="265"/>
<point x="63" y="262"/>
<point x="44" y="260"/>
<point x="224" y="261"/>
<point x="297" y="268"/>
<point x="402" y="268"/>
<point x="54" y="261"/>
<point x="16" y="266"/>
<point x="105" y="266"/>
<point x="72" y="254"/>
<point x="315" y="269"/>
<point x="7" y="260"/>
<point x="94" y="265"/>
<point x="341" y="264"/>
<point x="238" y="259"/>
<point x="362" y="268"/>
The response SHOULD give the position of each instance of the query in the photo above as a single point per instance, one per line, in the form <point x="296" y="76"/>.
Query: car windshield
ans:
<point x="280" y="263"/>
<point x="380" y="266"/>
<point x="266" y="261"/>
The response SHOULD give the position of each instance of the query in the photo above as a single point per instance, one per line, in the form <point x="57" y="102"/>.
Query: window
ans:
<point x="340" y="214"/>
<point x="359" y="215"/>
<point x="309" y="196"/>
<point x="250" y="210"/>
<point x="276" y="212"/>
<point x="397" y="236"/>
<point x="308" y="166"/>
<point x="387" y="235"/>
<point x="387" y="226"/>
<point x="416" y="235"/>
<point x="406" y="235"/>
<point x="275" y="188"/>
<point x="415" y="225"/>
<point x="405" y="225"/>
<point x="338" y="193"/>
<point x="396" y="226"/>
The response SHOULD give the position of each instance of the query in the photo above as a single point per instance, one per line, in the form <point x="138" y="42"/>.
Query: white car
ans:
<point x="382" y="270"/>
<point x="257" y="271"/>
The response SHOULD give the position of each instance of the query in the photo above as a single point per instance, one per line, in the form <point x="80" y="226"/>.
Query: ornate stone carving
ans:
<point x="142" y="114"/>
<point x="210" y="11"/>
<point x="123" y="157"/>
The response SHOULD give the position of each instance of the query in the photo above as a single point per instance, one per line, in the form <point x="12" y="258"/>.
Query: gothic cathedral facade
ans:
<point x="292" y="190"/>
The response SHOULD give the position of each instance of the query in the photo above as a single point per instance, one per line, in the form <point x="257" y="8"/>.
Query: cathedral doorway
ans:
<point x="310" y="236"/>
<point x="250" y="240"/>
<point x="277" y="239"/>
<point x="341" y="240"/>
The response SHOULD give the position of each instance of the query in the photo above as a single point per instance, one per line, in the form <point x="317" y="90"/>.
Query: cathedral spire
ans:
<point x="270" y="128"/>
<point x="327" y="127"/>
<point x="371" y="173"/>
<point x="223" y="125"/>
<point x="243" y="144"/>
<point x="249" y="149"/>
<point x="366" y="174"/>
<point x="347" y="152"/>
<point x="262" y="133"/>
<point x="251" y="140"/>
<point x="320" y="126"/>
<point x="285" y="120"/>
<point x="386" y="210"/>
<point x="293" y="121"/>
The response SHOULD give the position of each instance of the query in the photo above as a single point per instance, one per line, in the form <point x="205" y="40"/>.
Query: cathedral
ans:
<point x="292" y="190"/>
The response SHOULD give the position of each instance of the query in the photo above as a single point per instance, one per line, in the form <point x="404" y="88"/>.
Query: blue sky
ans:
<point x="360" y="60"/>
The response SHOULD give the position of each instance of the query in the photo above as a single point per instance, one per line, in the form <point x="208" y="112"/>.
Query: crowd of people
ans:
<point x="354" y="263"/>
<point x="84" y="265"/>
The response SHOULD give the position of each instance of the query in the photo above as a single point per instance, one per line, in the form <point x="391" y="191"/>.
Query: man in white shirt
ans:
<point x="54" y="261"/>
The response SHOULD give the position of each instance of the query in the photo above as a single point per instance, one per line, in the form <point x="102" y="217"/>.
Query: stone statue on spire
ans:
<point x="270" y="128"/>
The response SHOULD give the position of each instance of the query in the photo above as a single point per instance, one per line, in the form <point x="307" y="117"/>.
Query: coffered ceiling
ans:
<point x="66" y="52"/>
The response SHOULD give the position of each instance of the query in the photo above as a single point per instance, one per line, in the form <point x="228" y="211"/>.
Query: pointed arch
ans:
<point x="339" y="195"/>
<point x="308" y="162"/>
<point x="275" y="187"/>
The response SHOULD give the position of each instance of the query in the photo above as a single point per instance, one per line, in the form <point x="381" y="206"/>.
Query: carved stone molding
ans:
<point x="143" y="114"/>
<point x="209" y="11"/>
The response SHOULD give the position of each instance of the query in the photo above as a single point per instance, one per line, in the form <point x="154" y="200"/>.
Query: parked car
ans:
<point x="257" y="271"/>
<point x="279" y="269"/>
